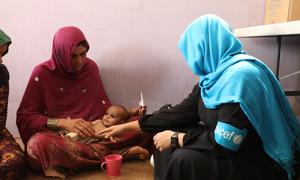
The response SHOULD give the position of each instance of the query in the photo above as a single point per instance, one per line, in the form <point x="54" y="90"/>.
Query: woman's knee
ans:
<point x="191" y="164"/>
<point x="188" y="156"/>
<point x="40" y="142"/>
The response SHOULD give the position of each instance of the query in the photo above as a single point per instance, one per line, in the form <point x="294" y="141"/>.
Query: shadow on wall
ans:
<point x="127" y="71"/>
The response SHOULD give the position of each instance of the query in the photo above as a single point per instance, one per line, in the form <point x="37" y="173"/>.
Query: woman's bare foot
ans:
<point x="136" y="152"/>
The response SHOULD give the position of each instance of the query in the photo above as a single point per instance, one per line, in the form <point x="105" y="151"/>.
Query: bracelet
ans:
<point x="52" y="124"/>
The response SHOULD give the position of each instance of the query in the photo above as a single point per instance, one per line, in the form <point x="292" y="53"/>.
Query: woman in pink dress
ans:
<point x="66" y="93"/>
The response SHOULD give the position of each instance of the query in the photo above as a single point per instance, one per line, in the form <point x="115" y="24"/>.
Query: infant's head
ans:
<point x="115" y="114"/>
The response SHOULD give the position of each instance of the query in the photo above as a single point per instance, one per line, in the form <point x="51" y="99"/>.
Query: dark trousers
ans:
<point x="187" y="164"/>
<point x="184" y="164"/>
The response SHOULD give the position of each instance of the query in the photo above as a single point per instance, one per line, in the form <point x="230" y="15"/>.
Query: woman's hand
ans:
<point x="114" y="132"/>
<point x="162" y="140"/>
<point x="80" y="126"/>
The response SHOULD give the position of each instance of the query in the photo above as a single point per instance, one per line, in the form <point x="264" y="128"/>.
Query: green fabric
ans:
<point x="4" y="39"/>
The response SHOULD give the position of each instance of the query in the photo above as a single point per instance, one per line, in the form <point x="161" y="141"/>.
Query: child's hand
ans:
<point x="142" y="110"/>
<point x="138" y="111"/>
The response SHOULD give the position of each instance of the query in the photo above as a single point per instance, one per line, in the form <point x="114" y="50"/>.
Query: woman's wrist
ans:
<point x="180" y="139"/>
<point x="52" y="124"/>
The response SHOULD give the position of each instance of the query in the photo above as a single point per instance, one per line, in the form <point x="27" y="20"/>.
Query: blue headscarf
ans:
<point x="228" y="75"/>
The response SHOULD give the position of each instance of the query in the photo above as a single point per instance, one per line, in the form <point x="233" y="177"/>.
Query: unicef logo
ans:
<point x="229" y="136"/>
<point x="237" y="139"/>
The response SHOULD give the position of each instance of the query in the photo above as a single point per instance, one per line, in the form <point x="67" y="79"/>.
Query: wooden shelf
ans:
<point x="278" y="29"/>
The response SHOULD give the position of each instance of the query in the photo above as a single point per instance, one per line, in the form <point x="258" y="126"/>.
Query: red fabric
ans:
<point x="55" y="90"/>
<point x="57" y="156"/>
<point x="47" y="151"/>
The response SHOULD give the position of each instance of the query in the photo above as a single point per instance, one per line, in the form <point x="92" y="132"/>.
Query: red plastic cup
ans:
<point x="112" y="165"/>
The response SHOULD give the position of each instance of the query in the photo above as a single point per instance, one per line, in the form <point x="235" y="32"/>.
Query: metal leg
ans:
<point x="278" y="56"/>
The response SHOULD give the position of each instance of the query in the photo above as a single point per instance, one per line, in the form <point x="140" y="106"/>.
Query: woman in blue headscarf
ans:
<point x="236" y="123"/>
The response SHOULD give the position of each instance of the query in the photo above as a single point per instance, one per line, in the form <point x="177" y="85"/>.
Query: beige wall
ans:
<point x="134" y="42"/>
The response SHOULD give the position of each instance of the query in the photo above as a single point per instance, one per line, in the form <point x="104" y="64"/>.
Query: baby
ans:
<point x="114" y="115"/>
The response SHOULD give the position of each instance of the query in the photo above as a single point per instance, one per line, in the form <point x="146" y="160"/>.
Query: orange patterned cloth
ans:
<point x="12" y="163"/>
